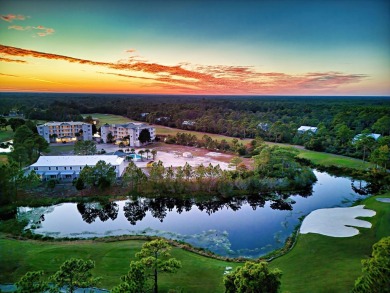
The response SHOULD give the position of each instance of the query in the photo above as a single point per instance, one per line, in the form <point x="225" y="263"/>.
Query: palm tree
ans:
<point x="147" y="151"/>
<point x="154" y="153"/>
<point x="141" y="152"/>
<point x="132" y="151"/>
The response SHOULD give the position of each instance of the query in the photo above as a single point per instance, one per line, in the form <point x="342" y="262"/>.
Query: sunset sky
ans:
<point x="280" y="47"/>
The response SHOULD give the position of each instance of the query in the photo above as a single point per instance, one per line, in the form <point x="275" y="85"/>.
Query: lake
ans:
<point x="235" y="227"/>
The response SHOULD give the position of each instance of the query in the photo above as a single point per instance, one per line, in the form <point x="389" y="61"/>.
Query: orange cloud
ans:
<point x="19" y="28"/>
<point x="3" y="59"/>
<point x="217" y="79"/>
<point x="12" y="17"/>
<point x="10" y="75"/>
<point x="45" y="31"/>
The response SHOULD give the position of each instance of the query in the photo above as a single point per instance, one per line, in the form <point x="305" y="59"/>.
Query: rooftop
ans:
<point x="53" y="161"/>
<point x="63" y="123"/>
<point x="128" y="125"/>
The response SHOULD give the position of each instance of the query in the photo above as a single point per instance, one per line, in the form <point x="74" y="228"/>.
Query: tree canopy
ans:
<point x="144" y="136"/>
<point x="75" y="273"/>
<point x="375" y="270"/>
<point x="253" y="278"/>
<point x="101" y="175"/>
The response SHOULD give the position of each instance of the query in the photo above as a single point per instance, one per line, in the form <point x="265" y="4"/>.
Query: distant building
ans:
<point x="361" y="135"/>
<point x="304" y="129"/>
<point x="67" y="168"/>
<point x="263" y="126"/>
<point x="65" y="131"/>
<point x="159" y="119"/>
<point x="188" y="123"/>
<point x="130" y="130"/>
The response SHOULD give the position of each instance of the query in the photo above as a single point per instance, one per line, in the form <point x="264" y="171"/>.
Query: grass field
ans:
<point x="316" y="264"/>
<point x="326" y="159"/>
<point x="57" y="150"/>
<point x="3" y="159"/>
<point x="198" y="274"/>
<point x="326" y="264"/>
<point x="6" y="134"/>
<point x="160" y="130"/>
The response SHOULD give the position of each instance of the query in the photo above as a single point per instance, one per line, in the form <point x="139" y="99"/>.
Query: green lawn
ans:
<point x="326" y="264"/>
<point x="6" y="134"/>
<point x="57" y="150"/>
<point x="3" y="159"/>
<point x="198" y="274"/>
<point x="326" y="159"/>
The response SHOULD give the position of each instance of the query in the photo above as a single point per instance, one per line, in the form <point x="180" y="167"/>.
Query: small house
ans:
<point x="375" y="136"/>
<point x="304" y="129"/>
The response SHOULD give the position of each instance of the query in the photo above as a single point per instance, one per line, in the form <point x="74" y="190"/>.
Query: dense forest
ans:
<point x="273" y="118"/>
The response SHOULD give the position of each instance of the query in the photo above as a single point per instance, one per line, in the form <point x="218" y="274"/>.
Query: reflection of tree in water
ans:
<point x="135" y="210"/>
<point x="367" y="188"/>
<point x="256" y="201"/>
<point x="158" y="208"/>
<point x="90" y="211"/>
<point x="281" y="205"/>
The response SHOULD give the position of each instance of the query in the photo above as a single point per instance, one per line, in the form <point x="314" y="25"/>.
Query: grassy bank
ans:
<point x="6" y="134"/>
<point x="327" y="160"/>
<point x="320" y="263"/>
<point x="198" y="274"/>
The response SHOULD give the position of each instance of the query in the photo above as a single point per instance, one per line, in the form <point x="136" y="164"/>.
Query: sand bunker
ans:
<point x="384" y="199"/>
<point x="335" y="221"/>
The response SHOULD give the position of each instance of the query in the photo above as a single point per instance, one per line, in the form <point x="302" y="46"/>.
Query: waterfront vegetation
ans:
<point x="308" y="267"/>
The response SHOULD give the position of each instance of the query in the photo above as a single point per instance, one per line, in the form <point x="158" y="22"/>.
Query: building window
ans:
<point x="35" y="168"/>
<point x="70" y="168"/>
<point x="64" y="168"/>
<point x="56" y="168"/>
<point x="49" y="168"/>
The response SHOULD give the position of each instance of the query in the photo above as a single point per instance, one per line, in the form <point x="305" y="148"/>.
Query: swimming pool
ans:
<point x="135" y="157"/>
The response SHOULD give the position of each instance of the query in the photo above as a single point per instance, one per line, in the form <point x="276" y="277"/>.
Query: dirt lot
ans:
<point x="172" y="155"/>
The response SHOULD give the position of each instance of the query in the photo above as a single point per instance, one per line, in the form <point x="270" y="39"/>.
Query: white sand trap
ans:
<point x="384" y="199"/>
<point x="333" y="222"/>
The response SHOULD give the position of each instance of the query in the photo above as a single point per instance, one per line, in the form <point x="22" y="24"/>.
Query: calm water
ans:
<point x="239" y="227"/>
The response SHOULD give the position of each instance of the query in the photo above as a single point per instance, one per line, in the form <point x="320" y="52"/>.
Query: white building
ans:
<point x="66" y="168"/>
<point x="304" y="129"/>
<point x="360" y="136"/>
<point x="188" y="123"/>
<point x="65" y="131"/>
<point x="131" y="129"/>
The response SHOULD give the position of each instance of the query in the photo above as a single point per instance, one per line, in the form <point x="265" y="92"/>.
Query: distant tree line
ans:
<point x="273" y="119"/>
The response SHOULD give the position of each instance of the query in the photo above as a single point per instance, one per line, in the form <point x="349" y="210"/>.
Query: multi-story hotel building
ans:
<point x="65" y="131"/>
<point x="131" y="130"/>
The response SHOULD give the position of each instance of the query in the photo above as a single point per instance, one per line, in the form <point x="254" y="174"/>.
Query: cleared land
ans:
<point x="319" y="158"/>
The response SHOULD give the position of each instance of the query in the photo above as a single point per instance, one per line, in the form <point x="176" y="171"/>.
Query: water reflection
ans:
<point x="236" y="226"/>
<point x="90" y="211"/>
<point x="135" y="210"/>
